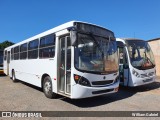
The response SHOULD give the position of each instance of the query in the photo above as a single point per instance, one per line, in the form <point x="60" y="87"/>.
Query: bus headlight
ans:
<point x="135" y="73"/>
<point x="117" y="79"/>
<point x="81" y="80"/>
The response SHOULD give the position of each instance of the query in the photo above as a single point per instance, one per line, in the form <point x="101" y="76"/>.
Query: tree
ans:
<point x="5" y="44"/>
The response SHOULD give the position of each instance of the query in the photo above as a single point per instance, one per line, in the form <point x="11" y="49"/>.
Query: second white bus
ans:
<point x="76" y="59"/>
<point x="136" y="62"/>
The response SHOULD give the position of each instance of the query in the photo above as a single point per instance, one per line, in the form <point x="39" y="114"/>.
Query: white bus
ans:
<point x="1" y="62"/>
<point x="76" y="59"/>
<point x="136" y="62"/>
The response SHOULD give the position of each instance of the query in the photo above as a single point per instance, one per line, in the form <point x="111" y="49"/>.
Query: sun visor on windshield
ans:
<point x="88" y="28"/>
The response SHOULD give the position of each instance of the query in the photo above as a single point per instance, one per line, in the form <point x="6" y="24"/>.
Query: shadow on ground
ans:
<point x="123" y="93"/>
<point x="29" y="85"/>
<point x="2" y="75"/>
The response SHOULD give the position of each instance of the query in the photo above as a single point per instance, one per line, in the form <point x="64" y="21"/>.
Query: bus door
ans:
<point x="8" y="61"/>
<point x="123" y="64"/>
<point x="64" y="65"/>
<point x="125" y="68"/>
<point x="121" y="70"/>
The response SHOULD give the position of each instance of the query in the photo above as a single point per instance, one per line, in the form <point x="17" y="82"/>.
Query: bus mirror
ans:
<point x="73" y="37"/>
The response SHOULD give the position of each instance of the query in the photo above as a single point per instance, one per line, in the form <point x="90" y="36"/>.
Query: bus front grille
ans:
<point x="147" y="75"/>
<point x="102" y="83"/>
<point x="102" y="91"/>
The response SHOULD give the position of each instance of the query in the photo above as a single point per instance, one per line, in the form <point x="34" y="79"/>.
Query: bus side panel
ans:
<point x="5" y="67"/>
<point x="126" y="78"/>
<point x="31" y="70"/>
<point x="130" y="82"/>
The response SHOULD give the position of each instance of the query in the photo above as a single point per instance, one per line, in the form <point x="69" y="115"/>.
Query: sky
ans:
<point x="21" y="19"/>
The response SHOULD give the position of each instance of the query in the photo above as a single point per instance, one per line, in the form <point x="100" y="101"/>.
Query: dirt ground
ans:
<point x="21" y="96"/>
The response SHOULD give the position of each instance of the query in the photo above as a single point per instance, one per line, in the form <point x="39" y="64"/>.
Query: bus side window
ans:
<point x="12" y="54"/>
<point x="16" y="53"/>
<point x="23" y="51"/>
<point x="47" y="46"/>
<point x="33" y="49"/>
<point x="5" y="55"/>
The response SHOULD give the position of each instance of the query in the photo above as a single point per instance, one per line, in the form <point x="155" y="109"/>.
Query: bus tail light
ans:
<point x="81" y="80"/>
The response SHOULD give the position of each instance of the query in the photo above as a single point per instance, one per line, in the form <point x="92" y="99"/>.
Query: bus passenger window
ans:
<point x="16" y="53"/>
<point x="33" y="49"/>
<point x="5" y="55"/>
<point x="47" y="46"/>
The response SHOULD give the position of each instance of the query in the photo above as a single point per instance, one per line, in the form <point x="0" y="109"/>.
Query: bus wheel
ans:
<point x="14" y="77"/>
<point x="47" y="88"/>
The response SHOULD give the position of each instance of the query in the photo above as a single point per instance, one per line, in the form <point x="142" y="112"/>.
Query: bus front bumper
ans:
<point x="79" y="91"/>
<point x="143" y="81"/>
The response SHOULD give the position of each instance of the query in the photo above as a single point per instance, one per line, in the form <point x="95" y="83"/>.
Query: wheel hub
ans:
<point x="47" y="87"/>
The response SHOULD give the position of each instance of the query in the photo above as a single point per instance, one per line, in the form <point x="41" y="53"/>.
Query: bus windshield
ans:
<point x="96" y="54"/>
<point x="140" y="54"/>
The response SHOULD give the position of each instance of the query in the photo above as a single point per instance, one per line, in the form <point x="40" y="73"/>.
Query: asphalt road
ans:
<point x="21" y="96"/>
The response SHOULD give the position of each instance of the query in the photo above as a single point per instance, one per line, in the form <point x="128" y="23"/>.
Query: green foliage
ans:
<point x="5" y="44"/>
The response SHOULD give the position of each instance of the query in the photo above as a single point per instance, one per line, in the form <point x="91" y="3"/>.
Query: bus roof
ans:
<point x="53" y="30"/>
<point x="155" y="39"/>
<point x="127" y="39"/>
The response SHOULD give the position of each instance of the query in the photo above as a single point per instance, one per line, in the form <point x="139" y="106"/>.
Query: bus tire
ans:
<point x="13" y="76"/>
<point x="47" y="88"/>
